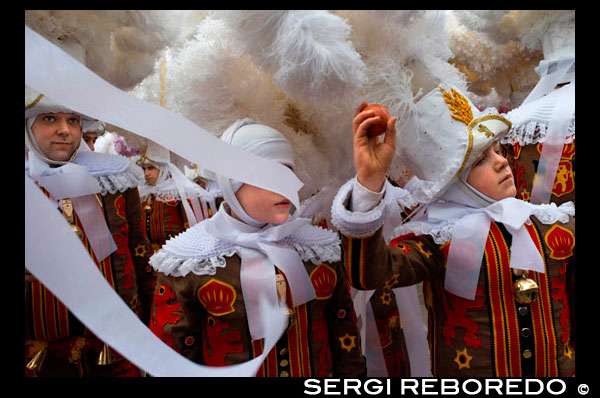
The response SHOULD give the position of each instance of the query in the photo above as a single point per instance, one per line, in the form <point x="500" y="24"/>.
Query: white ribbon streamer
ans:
<point x="553" y="146"/>
<point x="77" y="282"/>
<point x="94" y="225"/>
<point x="469" y="238"/>
<point x="415" y="330"/>
<point x="75" y="182"/>
<point x="261" y="255"/>
<point x="549" y="80"/>
<point x="51" y="71"/>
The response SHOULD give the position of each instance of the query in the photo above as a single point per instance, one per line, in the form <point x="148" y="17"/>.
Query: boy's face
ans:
<point x="90" y="139"/>
<point x="150" y="173"/>
<point x="57" y="134"/>
<point x="263" y="205"/>
<point x="491" y="175"/>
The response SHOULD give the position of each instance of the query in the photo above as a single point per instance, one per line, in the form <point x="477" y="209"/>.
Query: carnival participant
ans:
<point x="494" y="267"/>
<point x="91" y="132"/>
<point x="170" y="202"/>
<point x="206" y="180"/>
<point x="107" y="220"/>
<point x="212" y="278"/>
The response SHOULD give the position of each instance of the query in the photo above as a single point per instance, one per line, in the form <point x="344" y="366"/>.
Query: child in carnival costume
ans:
<point x="494" y="267"/>
<point x="212" y="277"/>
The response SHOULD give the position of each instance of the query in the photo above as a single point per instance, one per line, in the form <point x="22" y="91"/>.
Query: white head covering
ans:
<point x="446" y="135"/>
<point x="450" y="135"/>
<point x="260" y="246"/>
<point x="69" y="179"/>
<point x="259" y="140"/>
<point x="37" y="104"/>
<point x="172" y="184"/>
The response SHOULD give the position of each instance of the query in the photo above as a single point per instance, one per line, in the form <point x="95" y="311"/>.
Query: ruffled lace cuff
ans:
<point x="355" y="224"/>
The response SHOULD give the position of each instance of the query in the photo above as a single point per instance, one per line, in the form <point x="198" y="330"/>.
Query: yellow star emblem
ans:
<point x="348" y="342"/>
<point x="386" y="298"/>
<point x="391" y="282"/>
<point x="463" y="359"/>
<point x="140" y="250"/>
<point x="568" y="353"/>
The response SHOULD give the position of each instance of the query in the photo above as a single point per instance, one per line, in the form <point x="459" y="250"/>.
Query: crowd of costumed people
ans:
<point x="311" y="193"/>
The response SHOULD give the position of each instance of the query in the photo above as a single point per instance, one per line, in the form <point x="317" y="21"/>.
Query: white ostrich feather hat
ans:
<point x="444" y="138"/>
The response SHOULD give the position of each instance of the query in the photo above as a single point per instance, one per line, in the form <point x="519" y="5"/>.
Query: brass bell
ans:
<point x="525" y="289"/>
<point x="148" y="208"/>
<point x="281" y="293"/>
<point x="105" y="357"/>
<point x="37" y="361"/>
<point x="77" y="230"/>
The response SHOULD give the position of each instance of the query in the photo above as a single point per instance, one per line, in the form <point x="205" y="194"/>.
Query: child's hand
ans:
<point x="372" y="157"/>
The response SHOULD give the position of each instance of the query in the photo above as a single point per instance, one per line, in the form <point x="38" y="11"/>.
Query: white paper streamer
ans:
<point x="77" y="282"/>
<point x="51" y="71"/>
<point x="562" y="114"/>
<point x="415" y="330"/>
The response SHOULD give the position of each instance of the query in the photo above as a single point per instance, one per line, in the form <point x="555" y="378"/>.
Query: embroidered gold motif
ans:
<point x="386" y="298"/>
<point x="459" y="105"/>
<point x="568" y="353"/>
<point x="35" y="101"/>
<point x="482" y="129"/>
<point x="391" y="282"/>
<point x="348" y="342"/>
<point x="78" y="345"/>
<point x="463" y="359"/>
<point x="140" y="250"/>
<point x="426" y="253"/>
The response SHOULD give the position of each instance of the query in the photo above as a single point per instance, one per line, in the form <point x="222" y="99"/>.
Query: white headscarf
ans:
<point x="261" y="243"/>
<point x="259" y="140"/>
<point x="67" y="179"/>
<point x="172" y="184"/>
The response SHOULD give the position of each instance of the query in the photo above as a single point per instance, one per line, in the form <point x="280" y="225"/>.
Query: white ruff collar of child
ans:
<point x="202" y="248"/>
<point x="467" y="226"/>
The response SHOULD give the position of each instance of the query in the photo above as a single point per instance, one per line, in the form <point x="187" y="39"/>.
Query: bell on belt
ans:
<point x="105" y="357"/>
<point x="37" y="361"/>
<point x="281" y="292"/>
<point x="525" y="289"/>
<point x="148" y="208"/>
<point x="77" y="230"/>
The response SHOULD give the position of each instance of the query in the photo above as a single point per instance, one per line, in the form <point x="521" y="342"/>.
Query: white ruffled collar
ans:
<point x="442" y="230"/>
<point x="167" y="191"/>
<point x="197" y="251"/>
<point x="114" y="173"/>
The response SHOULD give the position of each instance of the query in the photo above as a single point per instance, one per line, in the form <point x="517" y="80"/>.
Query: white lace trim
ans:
<point x="359" y="224"/>
<point x="167" y="196"/>
<point x="355" y="224"/>
<point x="114" y="173"/>
<point x="534" y="132"/>
<point x="130" y="178"/>
<point x="442" y="232"/>
<point x="200" y="253"/>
